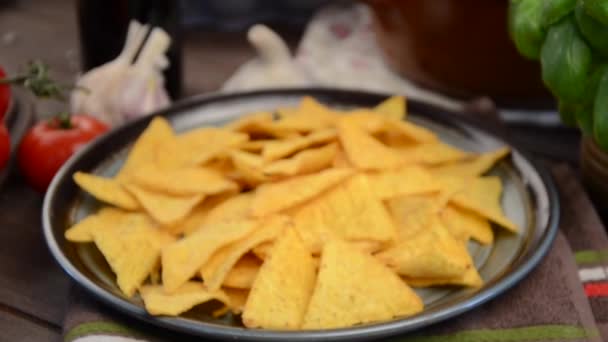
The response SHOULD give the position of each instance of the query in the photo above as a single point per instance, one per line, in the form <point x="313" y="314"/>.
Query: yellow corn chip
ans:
<point x="281" y="292"/>
<point x="238" y="298"/>
<point x="83" y="230"/>
<point x="132" y="252"/>
<point x="249" y="167"/>
<point x="341" y="159"/>
<point x="187" y="296"/>
<point x="263" y="250"/>
<point x="143" y="152"/>
<point x="472" y="167"/>
<point x="364" y="151"/>
<point x="366" y="246"/>
<point x="181" y="260"/>
<point x="106" y="190"/>
<point x="352" y="287"/>
<point x="254" y="145"/>
<point x="242" y="275"/>
<point x="365" y="119"/>
<point x="249" y="122"/>
<point x="261" y="124"/>
<point x="410" y="131"/>
<point x="199" y="215"/>
<point x="412" y="214"/>
<point x="464" y="224"/>
<point x="197" y="147"/>
<point x="350" y="211"/>
<point x="184" y="182"/>
<point x="395" y="107"/>
<point x="281" y="148"/>
<point x="309" y="116"/>
<point x="405" y="181"/>
<point x="215" y="270"/>
<point x="470" y="278"/>
<point x="234" y="208"/>
<point x="274" y="197"/>
<point x="164" y="208"/>
<point x="432" y="253"/>
<point x="483" y="197"/>
<point x="431" y="153"/>
<point x="306" y="161"/>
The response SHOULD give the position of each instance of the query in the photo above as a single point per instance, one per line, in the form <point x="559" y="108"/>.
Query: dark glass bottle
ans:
<point x="103" y="28"/>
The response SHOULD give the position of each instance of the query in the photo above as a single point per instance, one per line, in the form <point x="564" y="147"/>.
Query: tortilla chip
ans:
<point x="199" y="215"/>
<point x="464" y="224"/>
<point x="242" y="275"/>
<point x="483" y="197"/>
<point x="410" y="131"/>
<point x="234" y="208"/>
<point x="364" y="151"/>
<point x="341" y="159"/>
<point x="263" y="250"/>
<point x="309" y="116"/>
<point x="249" y="167"/>
<point x="431" y="253"/>
<point x="281" y="292"/>
<point x="248" y="123"/>
<point x="274" y="197"/>
<point x="198" y="146"/>
<point x="470" y="278"/>
<point x="238" y="298"/>
<point x="219" y="265"/>
<point x="187" y="296"/>
<point x="254" y="146"/>
<point x="405" y="181"/>
<point x="164" y="208"/>
<point x="472" y="167"/>
<point x="281" y="148"/>
<point x="366" y="246"/>
<point x="106" y="190"/>
<point x="184" y="181"/>
<point x="395" y="108"/>
<point x="83" y="230"/>
<point x="183" y="259"/>
<point x="365" y="119"/>
<point x="431" y="153"/>
<point x="412" y="214"/>
<point x="143" y="152"/>
<point x="132" y="251"/>
<point x="350" y="211"/>
<point x="353" y="287"/>
<point x="303" y="162"/>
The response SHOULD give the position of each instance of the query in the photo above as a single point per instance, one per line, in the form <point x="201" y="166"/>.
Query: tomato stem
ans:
<point x="63" y="120"/>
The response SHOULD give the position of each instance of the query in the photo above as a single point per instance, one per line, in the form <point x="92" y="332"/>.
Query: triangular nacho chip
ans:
<point x="106" y="190"/>
<point x="132" y="251"/>
<point x="431" y="153"/>
<point x="83" y="230"/>
<point x="470" y="278"/>
<point x="472" y="167"/>
<point x="183" y="259"/>
<point x="412" y="214"/>
<point x="274" y="197"/>
<point x="238" y="298"/>
<point x="164" y="208"/>
<point x="243" y="274"/>
<point x="249" y="167"/>
<point x="432" y="253"/>
<point x="219" y="265"/>
<point x="187" y="296"/>
<point x="282" y="148"/>
<point x="350" y="211"/>
<point x="184" y="181"/>
<point x="395" y="108"/>
<point x="144" y="150"/>
<point x="199" y="215"/>
<point x="352" y="287"/>
<point x="364" y="151"/>
<point x="464" y="224"/>
<point x="281" y="292"/>
<point x="404" y="181"/>
<point x="307" y="161"/>
<point x="309" y="116"/>
<point x="483" y="197"/>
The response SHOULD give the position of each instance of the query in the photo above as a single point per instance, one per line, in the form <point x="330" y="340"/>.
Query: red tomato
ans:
<point x="5" y="146"/>
<point x="5" y="95"/>
<point x="47" y="145"/>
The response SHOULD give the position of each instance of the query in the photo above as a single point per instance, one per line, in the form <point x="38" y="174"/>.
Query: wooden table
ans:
<point x="33" y="290"/>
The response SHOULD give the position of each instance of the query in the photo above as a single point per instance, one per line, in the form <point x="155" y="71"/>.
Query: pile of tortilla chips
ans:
<point x="305" y="218"/>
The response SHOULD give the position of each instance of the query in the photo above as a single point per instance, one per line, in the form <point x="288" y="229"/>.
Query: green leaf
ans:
<point x="592" y="30"/>
<point x="565" y="61"/>
<point x="525" y="26"/>
<point x="598" y="9"/>
<point x="600" y="112"/>
<point x="556" y="10"/>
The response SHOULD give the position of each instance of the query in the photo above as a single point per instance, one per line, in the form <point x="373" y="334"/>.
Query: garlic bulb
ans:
<point x="123" y="89"/>
<point x="274" y="66"/>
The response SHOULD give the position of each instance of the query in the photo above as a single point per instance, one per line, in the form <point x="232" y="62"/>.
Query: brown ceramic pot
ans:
<point x="459" y="47"/>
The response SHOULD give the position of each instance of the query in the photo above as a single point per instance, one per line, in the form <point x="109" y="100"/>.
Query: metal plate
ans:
<point x="529" y="199"/>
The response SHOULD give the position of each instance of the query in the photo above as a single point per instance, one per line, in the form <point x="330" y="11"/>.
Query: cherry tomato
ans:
<point x="5" y="146"/>
<point x="5" y="96"/>
<point x="47" y="145"/>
